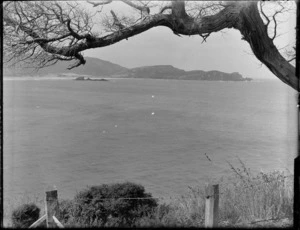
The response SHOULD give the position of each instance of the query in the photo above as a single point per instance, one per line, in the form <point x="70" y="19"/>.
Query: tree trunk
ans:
<point x="254" y="31"/>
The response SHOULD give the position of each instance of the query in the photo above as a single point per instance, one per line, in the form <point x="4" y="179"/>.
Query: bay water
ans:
<point x="164" y="134"/>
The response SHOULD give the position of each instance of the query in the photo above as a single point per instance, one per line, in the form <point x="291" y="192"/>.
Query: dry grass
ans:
<point x="246" y="200"/>
<point x="252" y="198"/>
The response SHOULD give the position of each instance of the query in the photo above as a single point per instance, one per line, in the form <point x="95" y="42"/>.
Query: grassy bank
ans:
<point x="246" y="200"/>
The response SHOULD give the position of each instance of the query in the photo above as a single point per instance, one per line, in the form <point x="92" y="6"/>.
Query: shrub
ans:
<point x="66" y="210"/>
<point x="165" y="215"/>
<point x="25" y="215"/>
<point x="105" y="205"/>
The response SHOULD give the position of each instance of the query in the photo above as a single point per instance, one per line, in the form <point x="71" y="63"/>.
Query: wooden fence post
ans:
<point x="52" y="208"/>
<point x="211" y="206"/>
<point x="297" y="195"/>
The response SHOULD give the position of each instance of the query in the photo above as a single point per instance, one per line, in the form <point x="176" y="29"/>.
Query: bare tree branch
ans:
<point x="275" y="27"/>
<point x="49" y="26"/>
<point x="117" y="21"/>
<point x="143" y="9"/>
<point x="81" y="61"/>
<point x="76" y="35"/>
<point x="52" y="31"/>
<point x="292" y="59"/>
<point x="46" y="40"/>
<point x="263" y="13"/>
<point x="99" y="3"/>
<point x="204" y="36"/>
<point x="168" y="7"/>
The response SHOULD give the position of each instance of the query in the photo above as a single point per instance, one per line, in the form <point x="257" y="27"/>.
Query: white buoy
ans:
<point x="152" y="113"/>
<point x="152" y="96"/>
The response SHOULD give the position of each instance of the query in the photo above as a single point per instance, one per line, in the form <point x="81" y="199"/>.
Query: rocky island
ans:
<point x="89" y="79"/>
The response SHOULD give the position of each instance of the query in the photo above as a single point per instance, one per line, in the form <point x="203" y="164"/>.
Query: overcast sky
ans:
<point x="223" y="51"/>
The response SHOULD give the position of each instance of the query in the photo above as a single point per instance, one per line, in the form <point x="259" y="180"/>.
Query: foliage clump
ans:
<point x="25" y="215"/>
<point x="108" y="205"/>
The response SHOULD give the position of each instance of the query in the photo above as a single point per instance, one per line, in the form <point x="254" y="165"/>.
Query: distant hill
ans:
<point x="215" y="75"/>
<point x="100" y="68"/>
<point x="93" y="67"/>
<point x="170" y="72"/>
<point x="156" y="72"/>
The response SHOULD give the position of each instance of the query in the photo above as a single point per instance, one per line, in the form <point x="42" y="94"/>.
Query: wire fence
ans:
<point x="199" y="194"/>
<point x="197" y="189"/>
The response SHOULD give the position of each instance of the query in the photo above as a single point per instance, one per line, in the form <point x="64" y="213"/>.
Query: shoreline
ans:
<point x="35" y="78"/>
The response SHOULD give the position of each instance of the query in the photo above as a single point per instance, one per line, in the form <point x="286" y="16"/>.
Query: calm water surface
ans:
<point x="155" y="132"/>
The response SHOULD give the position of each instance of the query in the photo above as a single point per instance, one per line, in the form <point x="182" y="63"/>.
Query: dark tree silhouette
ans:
<point x="50" y="31"/>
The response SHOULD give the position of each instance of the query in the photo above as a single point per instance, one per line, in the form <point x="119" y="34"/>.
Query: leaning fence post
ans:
<point x="52" y="209"/>
<point x="38" y="222"/>
<point x="211" y="205"/>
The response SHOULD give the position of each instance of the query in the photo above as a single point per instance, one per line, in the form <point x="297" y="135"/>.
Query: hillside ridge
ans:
<point x="101" y="68"/>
